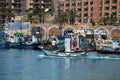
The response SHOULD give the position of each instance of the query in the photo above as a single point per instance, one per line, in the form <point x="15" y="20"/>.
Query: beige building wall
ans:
<point x="92" y="9"/>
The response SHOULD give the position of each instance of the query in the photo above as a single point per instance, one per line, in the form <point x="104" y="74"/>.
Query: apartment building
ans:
<point x="91" y="9"/>
<point x="19" y="7"/>
<point x="43" y="4"/>
<point x="87" y="10"/>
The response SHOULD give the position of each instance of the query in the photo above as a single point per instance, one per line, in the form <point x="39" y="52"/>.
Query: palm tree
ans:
<point x="61" y="18"/>
<point x="9" y="14"/>
<point x="103" y="21"/>
<point x="93" y="24"/>
<point x="71" y="16"/>
<point x="30" y="15"/>
<point x="41" y="15"/>
<point x="109" y="20"/>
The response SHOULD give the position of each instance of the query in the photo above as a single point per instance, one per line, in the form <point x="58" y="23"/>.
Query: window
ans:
<point x="114" y="7"/>
<point x="16" y="0"/>
<point x="79" y="9"/>
<point x="3" y="0"/>
<point x="100" y="8"/>
<point x="79" y="4"/>
<point x="114" y="13"/>
<point x="100" y="14"/>
<point x="85" y="9"/>
<point x="91" y="3"/>
<point x="114" y="1"/>
<point x="73" y="4"/>
<point x="67" y="0"/>
<point x="61" y="5"/>
<point x="106" y="14"/>
<point x="79" y="20"/>
<point x="91" y="8"/>
<point x="85" y="3"/>
<point x="85" y="15"/>
<point x="67" y="5"/>
<point x="106" y="8"/>
<point x="107" y="2"/>
<point x="119" y="13"/>
<point x="85" y="20"/>
<point x="35" y="0"/>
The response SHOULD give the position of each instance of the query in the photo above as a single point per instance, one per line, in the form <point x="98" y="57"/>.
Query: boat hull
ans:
<point x="24" y="46"/>
<point x="4" y="44"/>
<point x="62" y="54"/>
<point x="108" y="52"/>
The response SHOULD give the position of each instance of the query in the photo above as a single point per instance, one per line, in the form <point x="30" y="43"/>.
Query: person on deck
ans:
<point x="53" y="44"/>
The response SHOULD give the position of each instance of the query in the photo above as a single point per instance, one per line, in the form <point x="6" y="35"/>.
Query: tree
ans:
<point x="92" y="22"/>
<point x="103" y="21"/>
<point x="33" y="13"/>
<point x="30" y="15"/>
<point x="8" y="12"/>
<point x="71" y="16"/>
<point x="61" y="18"/>
<point x="109" y="20"/>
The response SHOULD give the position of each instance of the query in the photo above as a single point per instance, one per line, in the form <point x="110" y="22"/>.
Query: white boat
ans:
<point x="68" y="52"/>
<point x="51" y="53"/>
<point x="114" y="48"/>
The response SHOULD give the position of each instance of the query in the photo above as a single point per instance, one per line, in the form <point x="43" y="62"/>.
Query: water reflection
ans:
<point x="25" y="65"/>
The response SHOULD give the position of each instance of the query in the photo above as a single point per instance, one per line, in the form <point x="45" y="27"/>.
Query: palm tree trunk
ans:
<point x="9" y="11"/>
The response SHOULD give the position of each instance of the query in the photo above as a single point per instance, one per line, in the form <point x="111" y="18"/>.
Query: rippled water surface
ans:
<point x="26" y="65"/>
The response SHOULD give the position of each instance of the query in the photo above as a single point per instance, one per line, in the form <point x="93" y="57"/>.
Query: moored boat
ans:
<point x="4" y="43"/>
<point x="23" y="42"/>
<point x="114" y="48"/>
<point x="109" y="50"/>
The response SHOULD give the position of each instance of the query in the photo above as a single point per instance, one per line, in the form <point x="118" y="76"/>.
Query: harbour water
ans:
<point x="26" y="65"/>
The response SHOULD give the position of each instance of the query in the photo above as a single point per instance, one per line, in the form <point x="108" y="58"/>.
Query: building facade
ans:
<point x="15" y="8"/>
<point x="91" y="9"/>
<point x="20" y="6"/>
<point x="87" y="10"/>
<point x="43" y="4"/>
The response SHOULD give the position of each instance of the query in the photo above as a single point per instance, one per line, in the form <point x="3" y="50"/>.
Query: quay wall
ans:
<point x="48" y="30"/>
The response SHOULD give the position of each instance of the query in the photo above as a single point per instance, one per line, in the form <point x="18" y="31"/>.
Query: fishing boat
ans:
<point x="114" y="48"/>
<point x="51" y="53"/>
<point x="109" y="50"/>
<point x="69" y="50"/>
<point x="20" y="42"/>
<point x="4" y="43"/>
<point x="29" y="46"/>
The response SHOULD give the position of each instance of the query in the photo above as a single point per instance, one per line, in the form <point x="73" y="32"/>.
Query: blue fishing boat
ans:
<point x="23" y="42"/>
<point x="4" y="43"/>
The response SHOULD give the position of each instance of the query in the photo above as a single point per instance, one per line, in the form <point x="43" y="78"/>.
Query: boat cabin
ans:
<point x="18" y="37"/>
